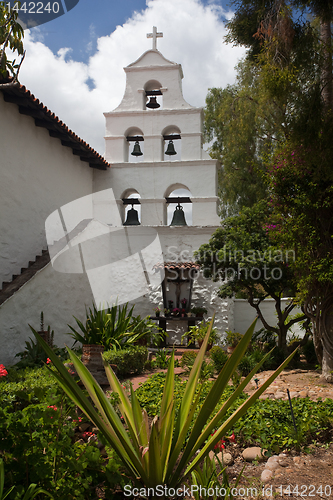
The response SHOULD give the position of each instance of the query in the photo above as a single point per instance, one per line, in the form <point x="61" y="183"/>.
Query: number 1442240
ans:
<point x="34" y="7"/>
<point x="306" y="491"/>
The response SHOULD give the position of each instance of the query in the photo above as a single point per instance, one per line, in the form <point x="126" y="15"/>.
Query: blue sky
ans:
<point x="91" y="19"/>
<point x="74" y="64"/>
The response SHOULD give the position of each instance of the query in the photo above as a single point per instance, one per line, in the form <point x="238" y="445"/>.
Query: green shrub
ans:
<point x="309" y="352"/>
<point x="219" y="357"/>
<point x="150" y="393"/>
<point x="187" y="360"/>
<point x="268" y="423"/>
<point x="207" y="368"/>
<point x="37" y="425"/>
<point x="162" y="358"/>
<point x="250" y="360"/>
<point x="275" y="359"/>
<point x="264" y="339"/>
<point x="28" y="385"/>
<point x="128" y="361"/>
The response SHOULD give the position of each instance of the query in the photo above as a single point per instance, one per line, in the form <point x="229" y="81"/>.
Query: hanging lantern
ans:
<point x="178" y="218"/>
<point x="132" y="218"/>
<point x="152" y="104"/>
<point x="171" y="149"/>
<point x="136" y="150"/>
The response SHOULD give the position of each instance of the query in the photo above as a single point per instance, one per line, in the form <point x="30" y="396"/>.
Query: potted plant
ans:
<point x="184" y="303"/>
<point x="166" y="312"/>
<point x="198" y="332"/>
<point x="92" y="337"/>
<point x="199" y="311"/>
<point x="231" y="340"/>
<point x="176" y="312"/>
<point x="157" y="312"/>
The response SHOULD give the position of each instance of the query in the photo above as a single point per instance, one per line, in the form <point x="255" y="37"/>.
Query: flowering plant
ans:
<point x="3" y="371"/>
<point x="157" y="309"/>
<point x="183" y="302"/>
<point x="220" y="445"/>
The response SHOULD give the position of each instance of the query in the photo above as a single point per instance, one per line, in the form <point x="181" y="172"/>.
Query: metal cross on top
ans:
<point x="154" y="35"/>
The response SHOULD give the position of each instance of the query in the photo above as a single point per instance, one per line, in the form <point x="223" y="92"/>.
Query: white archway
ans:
<point x="130" y="134"/>
<point x="175" y="191"/>
<point x="130" y="194"/>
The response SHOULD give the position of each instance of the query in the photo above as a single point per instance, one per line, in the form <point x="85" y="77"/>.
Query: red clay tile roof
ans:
<point x="29" y="105"/>
<point x="177" y="265"/>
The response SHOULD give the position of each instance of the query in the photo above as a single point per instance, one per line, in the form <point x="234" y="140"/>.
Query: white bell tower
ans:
<point x="155" y="81"/>
<point x="154" y="145"/>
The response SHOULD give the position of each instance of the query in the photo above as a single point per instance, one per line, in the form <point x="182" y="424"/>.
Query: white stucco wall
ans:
<point x="58" y="295"/>
<point x="38" y="175"/>
<point x="244" y="315"/>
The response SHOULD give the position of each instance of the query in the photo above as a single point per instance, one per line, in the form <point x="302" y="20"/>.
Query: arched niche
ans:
<point x="130" y="194"/>
<point x="175" y="191"/>
<point x="152" y="89"/>
<point x="133" y="135"/>
<point x="171" y="133"/>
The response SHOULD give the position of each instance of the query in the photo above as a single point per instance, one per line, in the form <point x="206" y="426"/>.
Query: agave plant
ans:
<point x="112" y="327"/>
<point x="167" y="451"/>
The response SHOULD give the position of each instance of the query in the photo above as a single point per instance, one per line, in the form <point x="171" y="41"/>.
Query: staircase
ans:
<point x="18" y="280"/>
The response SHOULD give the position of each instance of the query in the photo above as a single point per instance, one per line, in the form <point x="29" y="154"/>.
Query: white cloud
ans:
<point x="193" y="36"/>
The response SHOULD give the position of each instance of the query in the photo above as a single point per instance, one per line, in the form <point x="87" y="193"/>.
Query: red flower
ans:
<point x="48" y="361"/>
<point x="3" y="371"/>
<point x="87" y="434"/>
<point x="232" y="438"/>
<point x="220" y="445"/>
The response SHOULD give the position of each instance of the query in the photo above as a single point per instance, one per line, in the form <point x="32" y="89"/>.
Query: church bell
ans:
<point x="153" y="104"/>
<point x="136" y="150"/>
<point x="132" y="218"/>
<point x="178" y="218"/>
<point x="171" y="149"/>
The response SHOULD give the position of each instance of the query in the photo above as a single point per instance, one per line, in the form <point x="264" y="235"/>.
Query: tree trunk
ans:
<point x="327" y="366"/>
<point x="282" y="339"/>
<point x="327" y="88"/>
<point x="323" y="334"/>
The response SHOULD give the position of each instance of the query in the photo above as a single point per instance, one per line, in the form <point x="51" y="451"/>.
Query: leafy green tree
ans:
<point x="286" y="43"/>
<point x="277" y="96"/>
<point x="302" y="199"/>
<point x="294" y="58"/>
<point x="242" y="126"/>
<point x="242" y="256"/>
<point x="11" y="34"/>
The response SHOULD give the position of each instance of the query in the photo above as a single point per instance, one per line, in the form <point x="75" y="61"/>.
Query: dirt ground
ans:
<point x="301" y="475"/>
